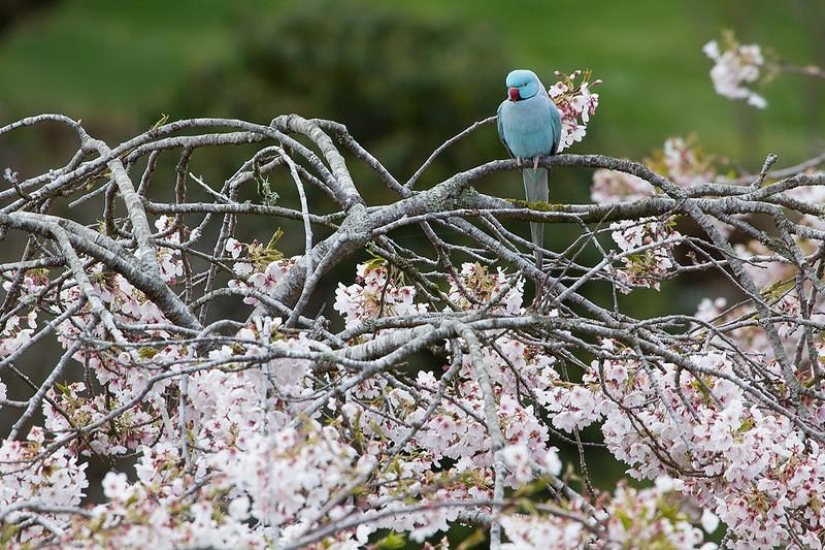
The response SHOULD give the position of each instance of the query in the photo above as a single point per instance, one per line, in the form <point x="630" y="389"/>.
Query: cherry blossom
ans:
<point x="611" y="186"/>
<point x="59" y="480"/>
<point x="648" y="246"/>
<point x="576" y="103"/>
<point x="374" y="297"/>
<point x="736" y="67"/>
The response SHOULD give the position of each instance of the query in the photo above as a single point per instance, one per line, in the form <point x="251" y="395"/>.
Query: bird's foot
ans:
<point x="536" y="162"/>
<point x="518" y="161"/>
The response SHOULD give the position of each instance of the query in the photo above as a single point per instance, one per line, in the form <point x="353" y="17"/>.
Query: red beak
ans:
<point x="512" y="94"/>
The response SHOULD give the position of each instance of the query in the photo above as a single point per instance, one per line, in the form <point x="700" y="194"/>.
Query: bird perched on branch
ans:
<point x="529" y="125"/>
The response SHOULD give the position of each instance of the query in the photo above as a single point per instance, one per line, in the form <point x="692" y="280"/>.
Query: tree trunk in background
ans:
<point x="13" y="11"/>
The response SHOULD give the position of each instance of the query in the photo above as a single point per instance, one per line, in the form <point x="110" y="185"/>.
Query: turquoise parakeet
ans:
<point x="529" y="125"/>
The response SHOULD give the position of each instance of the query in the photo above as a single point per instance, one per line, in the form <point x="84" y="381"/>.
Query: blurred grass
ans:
<point x="97" y="59"/>
<point x="100" y="60"/>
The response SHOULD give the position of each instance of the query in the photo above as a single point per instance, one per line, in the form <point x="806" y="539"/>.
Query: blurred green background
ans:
<point x="405" y="77"/>
<point x="118" y="64"/>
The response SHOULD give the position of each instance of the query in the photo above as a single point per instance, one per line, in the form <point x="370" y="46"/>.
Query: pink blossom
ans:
<point x="734" y="68"/>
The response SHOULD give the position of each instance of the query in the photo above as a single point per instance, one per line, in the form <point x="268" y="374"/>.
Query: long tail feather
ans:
<point x="536" y="189"/>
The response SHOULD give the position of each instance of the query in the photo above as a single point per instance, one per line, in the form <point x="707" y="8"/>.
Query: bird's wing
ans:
<point x="501" y="131"/>
<point x="555" y="123"/>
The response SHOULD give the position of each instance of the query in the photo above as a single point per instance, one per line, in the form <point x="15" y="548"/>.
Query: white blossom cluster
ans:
<point x="736" y="68"/>
<point x="576" y="102"/>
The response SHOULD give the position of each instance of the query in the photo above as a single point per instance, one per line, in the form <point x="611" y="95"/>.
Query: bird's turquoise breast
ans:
<point x="527" y="127"/>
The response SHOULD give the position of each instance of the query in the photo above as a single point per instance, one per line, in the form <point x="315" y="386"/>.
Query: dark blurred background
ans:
<point x="405" y="76"/>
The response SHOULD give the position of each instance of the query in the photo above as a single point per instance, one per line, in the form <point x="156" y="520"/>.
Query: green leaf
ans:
<point x="393" y="541"/>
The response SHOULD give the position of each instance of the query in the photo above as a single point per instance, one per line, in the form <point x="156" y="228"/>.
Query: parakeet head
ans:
<point x="522" y="84"/>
